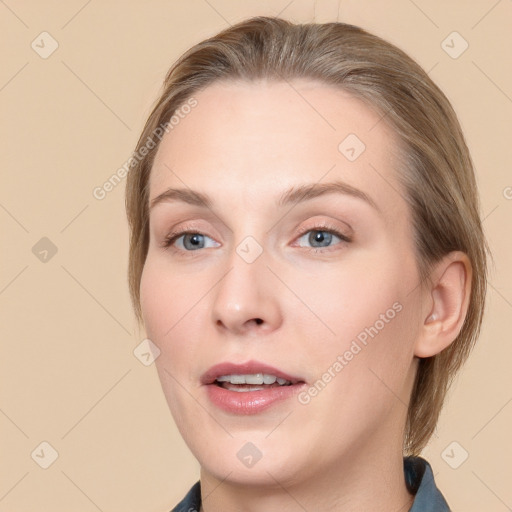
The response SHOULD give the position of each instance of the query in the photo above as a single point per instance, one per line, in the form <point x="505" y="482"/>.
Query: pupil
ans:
<point x="194" y="241"/>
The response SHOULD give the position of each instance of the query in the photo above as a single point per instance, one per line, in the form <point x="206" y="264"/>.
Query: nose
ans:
<point x="246" y="298"/>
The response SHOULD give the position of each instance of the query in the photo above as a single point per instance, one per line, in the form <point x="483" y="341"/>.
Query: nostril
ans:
<point x="258" y="321"/>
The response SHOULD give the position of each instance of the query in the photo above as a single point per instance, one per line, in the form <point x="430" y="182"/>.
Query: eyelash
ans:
<point x="324" y="228"/>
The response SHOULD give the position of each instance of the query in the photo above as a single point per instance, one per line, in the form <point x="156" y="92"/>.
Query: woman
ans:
<point x="308" y="260"/>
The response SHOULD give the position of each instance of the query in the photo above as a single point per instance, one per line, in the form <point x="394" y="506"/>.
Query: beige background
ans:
<point x="68" y="373"/>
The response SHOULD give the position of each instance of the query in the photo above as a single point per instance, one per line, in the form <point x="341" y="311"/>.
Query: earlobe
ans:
<point x="448" y="299"/>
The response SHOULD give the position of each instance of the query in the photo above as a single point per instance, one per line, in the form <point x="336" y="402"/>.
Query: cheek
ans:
<point x="176" y="310"/>
<point x="372" y="354"/>
<point x="155" y="301"/>
<point x="365" y="322"/>
<point x="167" y="297"/>
<point x="343" y="301"/>
<point x="165" y="300"/>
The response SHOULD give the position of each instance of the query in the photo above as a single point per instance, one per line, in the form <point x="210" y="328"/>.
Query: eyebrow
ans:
<point x="292" y="196"/>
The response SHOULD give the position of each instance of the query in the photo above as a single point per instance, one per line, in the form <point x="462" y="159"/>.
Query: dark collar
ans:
<point x="418" y="478"/>
<point x="420" y="481"/>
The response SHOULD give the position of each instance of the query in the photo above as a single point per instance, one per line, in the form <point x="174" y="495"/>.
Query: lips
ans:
<point x="249" y="388"/>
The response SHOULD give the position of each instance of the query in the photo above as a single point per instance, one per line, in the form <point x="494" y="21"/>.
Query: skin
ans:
<point x="244" y="144"/>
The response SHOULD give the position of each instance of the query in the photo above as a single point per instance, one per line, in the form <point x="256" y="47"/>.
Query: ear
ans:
<point x="446" y="302"/>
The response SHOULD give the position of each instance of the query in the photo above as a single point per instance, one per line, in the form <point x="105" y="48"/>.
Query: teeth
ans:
<point x="255" y="379"/>
<point x="269" y="379"/>
<point x="239" y="389"/>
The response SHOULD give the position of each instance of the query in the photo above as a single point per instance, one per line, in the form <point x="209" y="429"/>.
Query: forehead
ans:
<point x="258" y="138"/>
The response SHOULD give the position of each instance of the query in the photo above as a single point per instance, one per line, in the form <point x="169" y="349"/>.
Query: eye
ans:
<point x="189" y="241"/>
<point x="321" y="237"/>
<point x="315" y="239"/>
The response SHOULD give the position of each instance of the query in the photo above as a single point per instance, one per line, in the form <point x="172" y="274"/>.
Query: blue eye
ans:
<point x="189" y="241"/>
<point x="314" y="239"/>
<point x="321" y="238"/>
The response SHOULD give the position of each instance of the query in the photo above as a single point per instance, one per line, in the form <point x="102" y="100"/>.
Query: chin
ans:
<point x="250" y="459"/>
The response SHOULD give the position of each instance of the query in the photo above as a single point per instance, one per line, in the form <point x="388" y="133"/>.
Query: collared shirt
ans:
<point x="418" y="478"/>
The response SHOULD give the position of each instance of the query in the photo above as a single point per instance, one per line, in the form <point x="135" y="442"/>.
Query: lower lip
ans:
<point x="250" y="402"/>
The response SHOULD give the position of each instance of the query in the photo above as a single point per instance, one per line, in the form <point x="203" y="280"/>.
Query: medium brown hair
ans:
<point x="435" y="165"/>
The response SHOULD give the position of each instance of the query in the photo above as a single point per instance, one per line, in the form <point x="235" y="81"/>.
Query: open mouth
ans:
<point x="250" y="382"/>
<point x="249" y="388"/>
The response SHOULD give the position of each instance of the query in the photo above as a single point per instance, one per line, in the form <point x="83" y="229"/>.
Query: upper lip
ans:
<point x="248" y="368"/>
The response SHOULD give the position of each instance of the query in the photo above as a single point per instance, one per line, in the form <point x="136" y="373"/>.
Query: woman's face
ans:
<point x="299" y="264"/>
